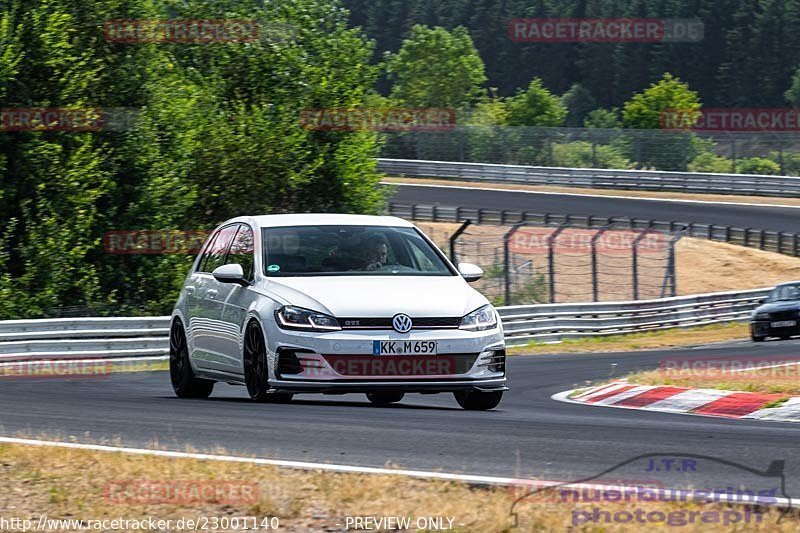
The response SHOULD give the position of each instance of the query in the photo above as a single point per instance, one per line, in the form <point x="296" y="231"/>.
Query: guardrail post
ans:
<point x="480" y="215"/>
<point x="454" y="237"/>
<point x="747" y="236"/>
<point x="507" y="263"/>
<point x="433" y="213"/>
<point x="780" y="242"/>
<point x="413" y="211"/>
<point x="727" y="234"/>
<point x="761" y="240"/>
<point x="794" y="244"/>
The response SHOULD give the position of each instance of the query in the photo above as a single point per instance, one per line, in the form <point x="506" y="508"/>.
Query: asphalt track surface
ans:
<point x="740" y="216"/>
<point x="529" y="435"/>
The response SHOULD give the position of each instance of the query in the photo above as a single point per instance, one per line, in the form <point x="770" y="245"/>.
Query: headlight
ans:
<point x="290" y="317"/>
<point x="480" y="319"/>
<point x="761" y="316"/>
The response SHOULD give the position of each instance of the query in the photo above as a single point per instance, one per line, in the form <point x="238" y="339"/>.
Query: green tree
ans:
<point x="536" y="107"/>
<point x="645" y="109"/>
<point x="436" y="68"/>
<point x="664" y="150"/>
<point x="792" y="95"/>
<point x="579" y="103"/>
<point x="603" y="118"/>
<point x="218" y="135"/>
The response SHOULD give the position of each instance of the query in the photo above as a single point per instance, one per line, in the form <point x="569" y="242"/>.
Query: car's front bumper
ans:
<point x="763" y="328"/>
<point x="342" y="361"/>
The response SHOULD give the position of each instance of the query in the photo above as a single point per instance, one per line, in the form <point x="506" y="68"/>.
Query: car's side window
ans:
<point x="218" y="250"/>
<point x="206" y="252"/>
<point x="242" y="252"/>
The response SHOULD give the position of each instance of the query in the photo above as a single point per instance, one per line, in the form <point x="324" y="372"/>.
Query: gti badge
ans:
<point x="402" y="323"/>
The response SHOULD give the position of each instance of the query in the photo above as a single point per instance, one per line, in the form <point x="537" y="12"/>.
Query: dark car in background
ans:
<point x="779" y="316"/>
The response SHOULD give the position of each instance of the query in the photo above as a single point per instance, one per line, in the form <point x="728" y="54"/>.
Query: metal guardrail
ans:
<point x="83" y="338"/>
<point x="782" y="242"/>
<point x="556" y="322"/>
<point x="109" y="338"/>
<point x="645" y="180"/>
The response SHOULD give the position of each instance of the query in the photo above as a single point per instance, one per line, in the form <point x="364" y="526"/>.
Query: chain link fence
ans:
<point x="617" y="148"/>
<point x="562" y="262"/>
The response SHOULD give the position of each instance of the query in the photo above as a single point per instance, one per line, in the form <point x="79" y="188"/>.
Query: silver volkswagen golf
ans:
<point x="334" y="304"/>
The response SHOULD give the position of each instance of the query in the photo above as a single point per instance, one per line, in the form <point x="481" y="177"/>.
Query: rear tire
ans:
<point x="384" y="398"/>
<point x="255" y="367"/>
<point x="756" y="338"/>
<point x="184" y="383"/>
<point x="478" y="401"/>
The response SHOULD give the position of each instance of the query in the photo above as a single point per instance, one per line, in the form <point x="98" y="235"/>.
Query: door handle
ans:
<point x="212" y="293"/>
<point x="190" y="289"/>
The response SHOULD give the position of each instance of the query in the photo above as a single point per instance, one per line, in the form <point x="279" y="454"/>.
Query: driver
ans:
<point x="376" y="252"/>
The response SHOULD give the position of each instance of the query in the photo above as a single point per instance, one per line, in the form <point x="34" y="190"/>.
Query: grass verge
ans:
<point x="89" y="485"/>
<point x="650" y="340"/>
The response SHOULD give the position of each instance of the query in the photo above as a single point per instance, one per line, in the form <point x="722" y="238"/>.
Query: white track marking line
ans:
<point x="303" y="465"/>
<point x="585" y="195"/>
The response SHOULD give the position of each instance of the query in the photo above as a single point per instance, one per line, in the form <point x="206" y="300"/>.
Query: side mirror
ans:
<point x="470" y="272"/>
<point x="231" y="273"/>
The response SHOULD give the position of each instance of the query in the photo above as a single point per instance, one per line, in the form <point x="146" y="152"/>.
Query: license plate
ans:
<point x="404" y="347"/>
<point x="784" y="324"/>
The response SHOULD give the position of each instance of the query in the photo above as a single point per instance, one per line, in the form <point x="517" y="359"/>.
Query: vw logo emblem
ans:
<point x="402" y="323"/>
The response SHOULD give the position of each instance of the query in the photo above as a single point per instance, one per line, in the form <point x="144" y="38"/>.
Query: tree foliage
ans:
<point x="437" y="68"/>
<point x="217" y="135"/>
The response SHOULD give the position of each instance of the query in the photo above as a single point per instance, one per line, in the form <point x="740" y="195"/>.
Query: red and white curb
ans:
<point x="707" y="402"/>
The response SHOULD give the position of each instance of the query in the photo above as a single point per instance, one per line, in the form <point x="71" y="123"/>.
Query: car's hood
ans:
<point x="379" y="296"/>
<point x="775" y="307"/>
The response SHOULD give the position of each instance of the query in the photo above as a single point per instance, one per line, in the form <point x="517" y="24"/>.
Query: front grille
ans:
<point x="401" y="365"/>
<point x="784" y="315"/>
<point x="386" y="323"/>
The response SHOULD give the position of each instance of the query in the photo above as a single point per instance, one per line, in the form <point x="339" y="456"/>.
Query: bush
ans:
<point x="579" y="154"/>
<point x="757" y="165"/>
<point x="709" y="162"/>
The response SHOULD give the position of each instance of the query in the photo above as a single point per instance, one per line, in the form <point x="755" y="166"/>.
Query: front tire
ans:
<point x="472" y="400"/>
<point x="384" y="398"/>
<point x="184" y="383"/>
<point x="255" y="367"/>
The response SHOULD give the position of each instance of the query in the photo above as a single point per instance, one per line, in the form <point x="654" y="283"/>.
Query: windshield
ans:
<point x="785" y="293"/>
<point x="350" y="251"/>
